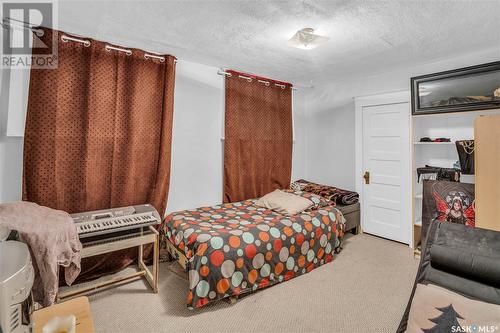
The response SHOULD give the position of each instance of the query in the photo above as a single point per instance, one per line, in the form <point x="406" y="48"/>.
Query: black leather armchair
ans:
<point x="461" y="259"/>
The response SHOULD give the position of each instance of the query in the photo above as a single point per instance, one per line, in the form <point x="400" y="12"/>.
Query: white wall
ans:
<point x="11" y="161"/>
<point x="11" y="148"/>
<point x="323" y="119"/>
<point x="330" y="108"/>
<point x="197" y="160"/>
<point x="197" y="149"/>
<point x="299" y="162"/>
<point x="196" y="171"/>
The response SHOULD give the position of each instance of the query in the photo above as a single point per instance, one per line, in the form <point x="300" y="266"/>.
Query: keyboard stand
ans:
<point x="143" y="236"/>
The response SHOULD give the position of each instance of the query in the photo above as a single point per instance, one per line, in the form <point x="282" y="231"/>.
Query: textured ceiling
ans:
<point x="252" y="35"/>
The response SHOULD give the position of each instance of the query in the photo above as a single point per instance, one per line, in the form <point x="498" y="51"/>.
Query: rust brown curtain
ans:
<point x="258" y="136"/>
<point x="98" y="134"/>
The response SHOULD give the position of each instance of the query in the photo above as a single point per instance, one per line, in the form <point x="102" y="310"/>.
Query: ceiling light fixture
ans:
<point x="306" y="39"/>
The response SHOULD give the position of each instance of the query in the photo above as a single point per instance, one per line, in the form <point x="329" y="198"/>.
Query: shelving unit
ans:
<point x="433" y="143"/>
<point x="455" y="126"/>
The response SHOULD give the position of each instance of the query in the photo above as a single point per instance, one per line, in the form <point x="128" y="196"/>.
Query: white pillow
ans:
<point x="284" y="203"/>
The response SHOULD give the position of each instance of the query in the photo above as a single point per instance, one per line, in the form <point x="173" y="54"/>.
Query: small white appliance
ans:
<point x="16" y="280"/>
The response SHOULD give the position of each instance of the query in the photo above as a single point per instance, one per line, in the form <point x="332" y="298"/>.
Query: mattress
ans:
<point x="347" y="209"/>
<point x="237" y="248"/>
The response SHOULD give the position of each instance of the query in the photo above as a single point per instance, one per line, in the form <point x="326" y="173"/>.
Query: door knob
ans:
<point x="366" y="176"/>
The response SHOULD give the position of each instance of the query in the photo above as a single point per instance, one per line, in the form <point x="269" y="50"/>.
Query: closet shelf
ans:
<point x="433" y="143"/>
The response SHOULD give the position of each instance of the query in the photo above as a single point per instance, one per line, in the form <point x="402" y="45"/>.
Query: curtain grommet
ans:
<point x="66" y="39"/>
<point x="248" y="79"/>
<point x="126" y="51"/>
<point x="148" y="56"/>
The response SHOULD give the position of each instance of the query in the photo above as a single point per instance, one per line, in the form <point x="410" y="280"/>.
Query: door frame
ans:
<point x="373" y="100"/>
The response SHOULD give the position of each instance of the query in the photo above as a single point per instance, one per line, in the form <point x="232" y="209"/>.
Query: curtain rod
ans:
<point x="249" y="79"/>
<point x="108" y="48"/>
<point x="8" y="22"/>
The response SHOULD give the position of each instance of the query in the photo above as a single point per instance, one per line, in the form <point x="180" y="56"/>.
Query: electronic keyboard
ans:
<point x="99" y="222"/>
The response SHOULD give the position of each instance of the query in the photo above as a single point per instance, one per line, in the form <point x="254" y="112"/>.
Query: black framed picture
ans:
<point x="464" y="89"/>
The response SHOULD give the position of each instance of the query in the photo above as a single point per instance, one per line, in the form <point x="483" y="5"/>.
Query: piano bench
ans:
<point x="140" y="238"/>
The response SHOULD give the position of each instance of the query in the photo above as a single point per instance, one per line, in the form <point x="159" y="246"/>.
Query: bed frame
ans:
<point x="176" y="255"/>
<point x="352" y="215"/>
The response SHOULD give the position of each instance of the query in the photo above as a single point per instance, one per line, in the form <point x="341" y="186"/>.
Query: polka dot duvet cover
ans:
<point x="240" y="247"/>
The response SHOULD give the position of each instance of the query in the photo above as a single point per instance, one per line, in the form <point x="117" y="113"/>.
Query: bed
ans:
<point x="236" y="248"/>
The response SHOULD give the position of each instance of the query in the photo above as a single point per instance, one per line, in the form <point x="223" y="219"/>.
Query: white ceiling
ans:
<point x="251" y="35"/>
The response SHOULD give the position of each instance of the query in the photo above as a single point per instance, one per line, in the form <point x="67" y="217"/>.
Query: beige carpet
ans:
<point x="364" y="289"/>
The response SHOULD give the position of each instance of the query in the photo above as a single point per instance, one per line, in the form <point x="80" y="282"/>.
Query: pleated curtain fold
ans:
<point x="258" y="136"/>
<point x="98" y="134"/>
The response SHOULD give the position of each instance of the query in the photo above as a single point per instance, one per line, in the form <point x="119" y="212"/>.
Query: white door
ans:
<point x="386" y="174"/>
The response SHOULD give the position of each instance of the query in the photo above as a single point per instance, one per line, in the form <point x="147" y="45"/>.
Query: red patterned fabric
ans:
<point x="258" y="137"/>
<point x="98" y="134"/>
<point x="334" y="194"/>
<point x="318" y="201"/>
<point x="240" y="247"/>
